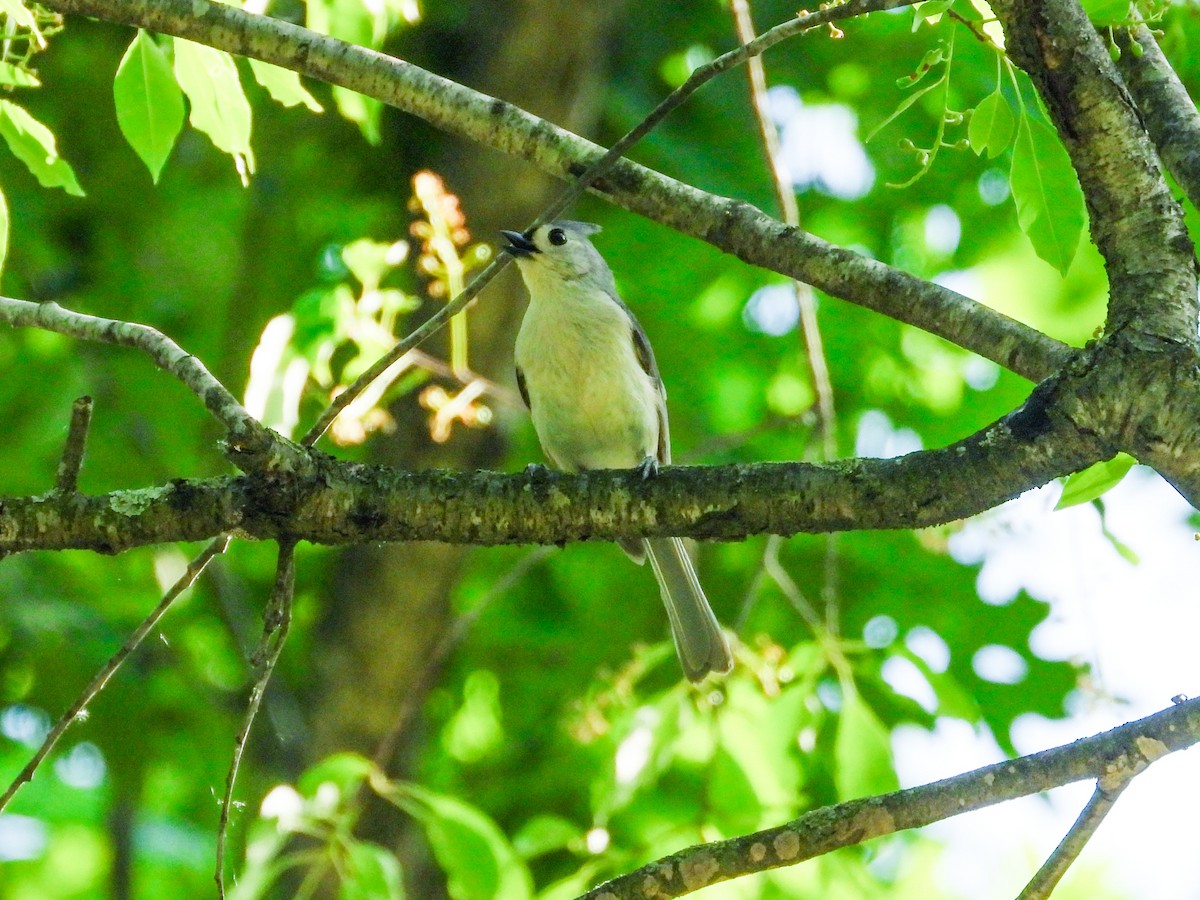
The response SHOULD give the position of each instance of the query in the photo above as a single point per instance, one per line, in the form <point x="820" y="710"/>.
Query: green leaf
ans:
<point x="1086" y="486"/>
<point x="545" y="834"/>
<point x="3" y="230"/>
<point x="1046" y="192"/>
<point x="929" y="10"/>
<point x="904" y="104"/>
<point x="1107" y="12"/>
<point x="22" y="17"/>
<point x="149" y="102"/>
<point x="476" y="857"/>
<point x="345" y="770"/>
<point x="219" y="107"/>
<point x="283" y="85"/>
<point x="15" y="76"/>
<point x="991" y="127"/>
<point x="33" y="144"/>
<point x="372" y="873"/>
<point x="862" y="750"/>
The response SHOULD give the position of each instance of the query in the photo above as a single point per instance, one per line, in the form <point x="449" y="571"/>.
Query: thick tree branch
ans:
<point x="1120" y="753"/>
<point x="728" y="224"/>
<point x="1168" y="111"/>
<point x="343" y="503"/>
<point x="1135" y="221"/>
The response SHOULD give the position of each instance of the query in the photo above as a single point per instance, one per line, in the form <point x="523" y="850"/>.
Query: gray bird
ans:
<point x="588" y="376"/>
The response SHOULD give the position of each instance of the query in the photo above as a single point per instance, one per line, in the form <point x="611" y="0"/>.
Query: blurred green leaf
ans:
<point x="1108" y="12"/>
<point x="33" y="144"/>
<point x="862" y="750"/>
<point x="476" y="857"/>
<point x="1095" y="480"/>
<point x="372" y="873"/>
<point x="545" y="834"/>
<point x="149" y="102"/>
<point x="347" y="771"/>
<point x="1047" y="194"/>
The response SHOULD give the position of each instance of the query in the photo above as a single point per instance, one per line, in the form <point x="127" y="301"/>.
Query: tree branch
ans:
<point x="344" y="503"/>
<point x="1123" y="752"/>
<point x="1134" y="220"/>
<point x="1168" y="111"/>
<point x="1053" y="869"/>
<point x="246" y="435"/>
<point x="728" y="224"/>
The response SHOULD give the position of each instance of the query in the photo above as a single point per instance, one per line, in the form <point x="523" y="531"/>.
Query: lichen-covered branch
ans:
<point x="1167" y="109"/>
<point x="1135" y="221"/>
<point x="728" y="224"/>
<point x="341" y="503"/>
<point x="1123" y="752"/>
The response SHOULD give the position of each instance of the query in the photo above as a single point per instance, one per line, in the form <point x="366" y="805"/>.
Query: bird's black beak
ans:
<point x="519" y="245"/>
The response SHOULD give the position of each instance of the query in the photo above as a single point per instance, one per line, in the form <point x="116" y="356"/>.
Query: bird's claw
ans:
<point x="648" y="468"/>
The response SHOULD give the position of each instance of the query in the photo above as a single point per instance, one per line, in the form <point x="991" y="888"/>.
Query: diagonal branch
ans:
<point x="245" y="434"/>
<point x="1103" y="799"/>
<point x="728" y="224"/>
<point x="1122" y="752"/>
<point x="1168" y="111"/>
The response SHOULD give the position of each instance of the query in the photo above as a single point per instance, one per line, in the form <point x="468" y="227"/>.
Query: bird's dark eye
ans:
<point x="557" y="236"/>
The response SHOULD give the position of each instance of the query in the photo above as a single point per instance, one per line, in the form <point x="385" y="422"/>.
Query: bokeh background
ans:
<point x="537" y="738"/>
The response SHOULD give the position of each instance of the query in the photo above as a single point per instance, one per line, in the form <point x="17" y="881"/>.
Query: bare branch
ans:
<point x="1168" y="111"/>
<point x="728" y="224"/>
<point x="67" y="478"/>
<point x="1127" y="749"/>
<point x="195" y="567"/>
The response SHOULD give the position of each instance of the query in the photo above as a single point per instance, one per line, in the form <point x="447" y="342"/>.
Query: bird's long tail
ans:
<point x="699" y="641"/>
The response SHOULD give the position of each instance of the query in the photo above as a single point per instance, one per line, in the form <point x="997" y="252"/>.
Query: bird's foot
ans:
<point x="648" y="468"/>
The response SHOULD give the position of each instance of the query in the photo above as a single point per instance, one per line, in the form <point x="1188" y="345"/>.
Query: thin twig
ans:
<point x="71" y="463"/>
<point x="277" y="620"/>
<point x="1102" y="801"/>
<point x="195" y="567"/>
<point x="698" y="78"/>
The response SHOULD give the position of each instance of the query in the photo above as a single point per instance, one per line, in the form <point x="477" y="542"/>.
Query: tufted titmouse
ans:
<point x="588" y="376"/>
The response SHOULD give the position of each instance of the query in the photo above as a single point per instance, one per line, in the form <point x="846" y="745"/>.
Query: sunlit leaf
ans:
<point x="149" y="102"/>
<point x="991" y="128"/>
<point x="219" y="107"/>
<point x="283" y="85"/>
<point x="17" y="76"/>
<point x="33" y="144"/>
<point x="1047" y="194"/>
<point x="862" y="750"/>
<point x="1086" y="486"/>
